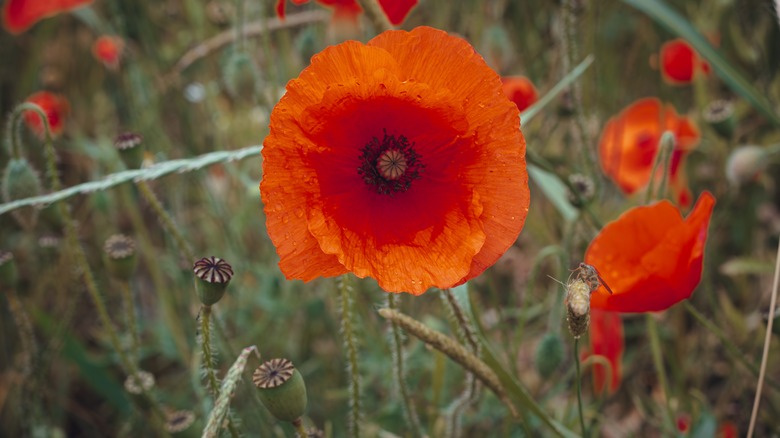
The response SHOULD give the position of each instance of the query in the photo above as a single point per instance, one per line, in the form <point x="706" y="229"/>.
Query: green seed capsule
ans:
<point x="281" y="389"/>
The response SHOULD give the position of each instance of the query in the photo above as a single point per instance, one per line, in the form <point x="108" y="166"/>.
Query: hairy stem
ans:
<point x="350" y="346"/>
<point x="579" y="386"/>
<point x="396" y="344"/>
<point x="166" y="220"/>
<point x="130" y="319"/>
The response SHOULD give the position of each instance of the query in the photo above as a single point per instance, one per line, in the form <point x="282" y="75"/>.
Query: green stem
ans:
<point x="350" y="344"/>
<point x="130" y="318"/>
<point x="579" y="386"/>
<point x="658" y="362"/>
<point x="167" y="220"/>
<point x="208" y="359"/>
<point x="665" y="146"/>
<point x="396" y="345"/>
<point x="13" y="128"/>
<point x="25" y="331"/>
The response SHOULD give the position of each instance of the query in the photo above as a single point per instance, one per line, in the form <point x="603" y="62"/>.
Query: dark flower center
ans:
<point x="389" y="166"/>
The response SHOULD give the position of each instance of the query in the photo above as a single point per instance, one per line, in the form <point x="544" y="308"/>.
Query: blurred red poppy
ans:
<point x="629" y="145"/>
<point x="20" y="15"/>
<point x="400" y="159"/>
<point x="606" y="339"/>
<point x="56" y="108"/>
<point x="108" y="50"/>
<point x="650" y="256"/>
<point x="680" y="63"/>
<point x="396" y="10"/>
<point x="520" y="90"/>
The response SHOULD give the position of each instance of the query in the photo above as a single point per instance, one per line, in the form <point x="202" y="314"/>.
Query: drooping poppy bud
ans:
<point x="21" y="181"/>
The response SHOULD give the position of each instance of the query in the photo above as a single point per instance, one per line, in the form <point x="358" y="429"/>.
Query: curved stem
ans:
<point x="579" y="385"/>
<point x="658" y="361"/>
<point x="350" y="345"/>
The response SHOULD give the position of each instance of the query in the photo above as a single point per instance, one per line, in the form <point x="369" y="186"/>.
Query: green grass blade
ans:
<point x="677" y="24"/>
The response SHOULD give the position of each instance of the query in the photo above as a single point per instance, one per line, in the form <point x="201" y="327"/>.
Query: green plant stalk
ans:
<point x="13" y="128"/>
<point x="299" y="429"/>
<point x="578" y="382"/>
<point x="131" y="320"/>
<point x="166" y="220"/>
<point x="222" y="402"/>
<point x="665" y="146"/>
<point x="465" y="330"/>
<point x="25" y="331"/>
<point x="208" y="359"/>
<point x="350" y="344"/>
<point x="733" y="350"/>
<point x="658" y="362"/>
<point x="374" y="12"/>
<point x="396" y="345"/>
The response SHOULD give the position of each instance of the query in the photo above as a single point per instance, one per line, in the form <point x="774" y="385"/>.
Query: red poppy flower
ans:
<point x="396" y="10"/>
<point x="520" y="90"/>
<point x="606" y="339"/>
<point x="680" y="63"/>
<point x="108" y="50"/>
<point x="650" y="257"/>
<point x="629" y="145"/>
<point x="400" y="159"/>
<point x="20" y="15"/>
<point x="56" y="108"/>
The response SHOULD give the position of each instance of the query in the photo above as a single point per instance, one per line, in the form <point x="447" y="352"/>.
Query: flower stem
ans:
<point x="166" y="220"/>
<point x="24" y="328"/>
<point x="130" y="319"/>
<point x="376" y="15"/>
<point x="398" y="361"/>
<point x="208" y="358"/>
<point x="767" y="339"/>
<point x="579" y="385"/>
<point x="658" y="361"/>
<point x="665" y="147"/>
<point x="299" y="429"/>
<point x="350" y="345"/>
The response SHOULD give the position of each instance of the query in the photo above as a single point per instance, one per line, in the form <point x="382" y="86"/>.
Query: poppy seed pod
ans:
<point x="8" y="275"/>
<point x="744" y="164"/>
<point x="21" y="181"/>
<point x="120" y="256"/>
<point x="578" y="307"/>
<point x="720" y="115"/>
<point x="214" y="274"/>
<point x="549" y="355"/>
<point x="130" y="150"/>
<point x="281" y="389"/>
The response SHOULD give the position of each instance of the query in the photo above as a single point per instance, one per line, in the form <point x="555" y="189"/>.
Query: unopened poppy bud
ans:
<point x="120" y="256"/>
<point x="131" y="151"/>
<point x="281" y="389"/>
<point x="745" y="163"/>
<point x="21" y="181"/>
<point x="241" y="76"/>
<point x="549" y="355"/>
<point x="720" y="115"/>
<point x="178" y="423"/>
<point x="578" y="307"/>
<point x="214" y="274"/>
<point x="582" y="190"/>
<point x="8" y="274"/>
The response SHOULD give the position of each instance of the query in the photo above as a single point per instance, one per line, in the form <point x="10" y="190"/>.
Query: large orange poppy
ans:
<point x="400" y="159"/>
<point x="629" y="145"/>
<point x="650" y="256"/>
<point x="520" y="90"/>
<point x="680" y="63"/>
<point x="20" y="15"/>
<point x="56" y="108"/>
<point x="396" y="10"/>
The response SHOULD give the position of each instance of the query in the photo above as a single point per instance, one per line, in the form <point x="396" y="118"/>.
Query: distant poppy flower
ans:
<point x="629" y="145"/>
<point x="400" y="159"/>
<point x="396" y="10"/>
<point x="108" y="50"/>
<point x="727" y="429"/>
<point x="650" y="256"/>
<point x="20" y="15"/>
<point x="56" y="108"/>
<point x="520" y="90"/>
<point x="680" y="63"/>
<point x="606" y="339"/>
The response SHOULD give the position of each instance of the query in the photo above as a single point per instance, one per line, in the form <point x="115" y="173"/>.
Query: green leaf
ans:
<point x="554" y="190"/>
<point x="677" y="24"/>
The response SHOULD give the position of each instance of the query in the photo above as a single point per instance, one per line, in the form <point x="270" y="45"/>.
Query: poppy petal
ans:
<point x="20" y="15"/>
<point x="56" y="108"/>
<point x="659" y="265"/>
<point x="606" y="339"/>
<point x="397" y="10"/>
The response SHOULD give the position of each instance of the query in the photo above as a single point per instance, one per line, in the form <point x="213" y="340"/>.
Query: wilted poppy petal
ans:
<point x="629" y="144"/>
<point x="108" y="50"/>
<point x="467" y="200"/>
<point x="520" y="90"/>
<point x="56" y="108"/>
<point x="680" y="63"/>
<point x="650" y="257"/>
<point x="606" y="339"/>
<point x="20" y="15"/>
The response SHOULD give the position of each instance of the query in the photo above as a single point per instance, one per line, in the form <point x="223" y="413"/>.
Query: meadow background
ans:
<point x="190" y="86"/>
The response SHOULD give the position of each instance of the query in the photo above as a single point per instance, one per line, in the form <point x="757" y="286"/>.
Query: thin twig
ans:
<point x="767" y="339"/>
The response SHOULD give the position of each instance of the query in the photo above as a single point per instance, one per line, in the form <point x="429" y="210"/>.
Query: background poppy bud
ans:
<point x="7" y="270"/>
<point x="21" y="181"/>
<point x="281" y="388"/>
<point x="131" y="150"/>
<point x="549" y="355"/>
<point x="720" y="115"/>
<point x="583" y="185"/>
<point x="578" y="307"/>
<point x="214" y="275"/>
<point x="241" y="76"/>
<point x="744" y="164"/>
<point x="120" y="256"/>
